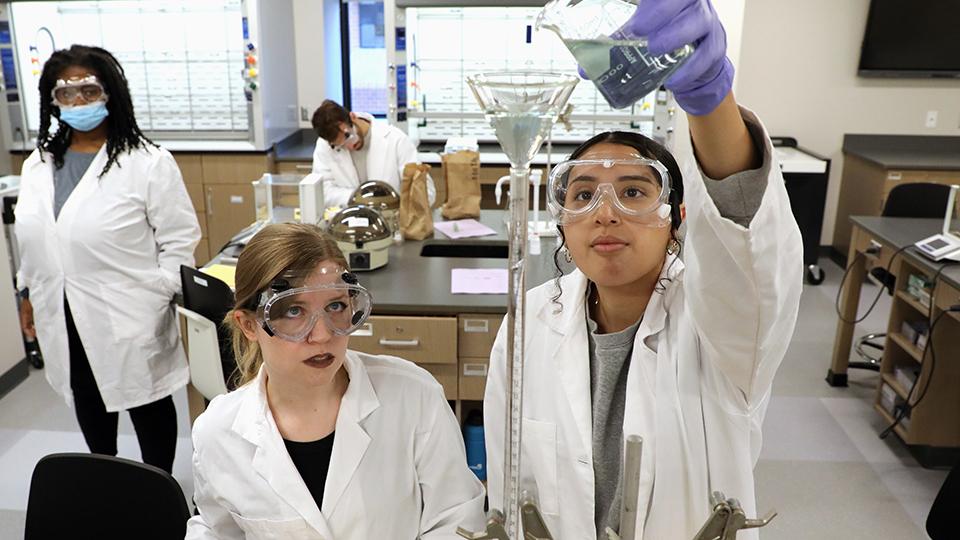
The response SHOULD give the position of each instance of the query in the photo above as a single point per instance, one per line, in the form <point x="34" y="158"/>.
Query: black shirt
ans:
<point x="312" y="460"/>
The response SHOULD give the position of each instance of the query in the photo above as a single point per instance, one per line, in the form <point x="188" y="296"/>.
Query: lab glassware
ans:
<point x="522" y="107"/>
<point x="618" y="63"/>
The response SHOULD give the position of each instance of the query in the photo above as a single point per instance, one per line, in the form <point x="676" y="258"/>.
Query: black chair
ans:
<point x="213" y="299"/>
<point x="96" y="496"/>
<point x="919" y="200"/>
<point x="943" y="521"/>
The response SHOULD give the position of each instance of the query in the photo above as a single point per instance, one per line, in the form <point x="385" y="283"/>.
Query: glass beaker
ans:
<point x="619" y="64"/>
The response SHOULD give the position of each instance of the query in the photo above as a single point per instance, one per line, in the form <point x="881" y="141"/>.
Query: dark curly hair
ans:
<point x="123" y="134"/>
<point x="649" y="149"/>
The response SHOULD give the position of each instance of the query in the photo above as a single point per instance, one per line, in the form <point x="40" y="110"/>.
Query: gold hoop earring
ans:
<point x="673" y="247"/>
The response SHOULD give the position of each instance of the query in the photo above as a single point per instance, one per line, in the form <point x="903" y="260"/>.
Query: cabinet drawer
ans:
<point x="473" y="378"/>
<point x="446" y="375"/>
<point x="424" y="340"/>
<point x="201" y="254"/>
<point x="229" y="208"/>
<point x="476" y="333"/>
<point x="294" y="167"/>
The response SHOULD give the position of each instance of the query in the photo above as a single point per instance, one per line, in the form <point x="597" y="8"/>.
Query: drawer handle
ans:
<point x="474" y="370"/>
<point x="304" y="167"/>
<point x="365" y="330"/>
<point x="477" y="326"/>
<point x="399" y="342"/>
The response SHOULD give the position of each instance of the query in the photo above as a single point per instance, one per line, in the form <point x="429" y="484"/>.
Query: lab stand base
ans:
<point x="837" y="380"/>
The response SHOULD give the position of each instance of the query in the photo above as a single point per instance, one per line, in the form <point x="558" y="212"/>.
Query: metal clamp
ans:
<point x="727" y="519"/>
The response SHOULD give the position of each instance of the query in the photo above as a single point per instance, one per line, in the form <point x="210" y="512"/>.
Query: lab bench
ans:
<point x="875" y="164"/>
<point x="931" y="430"/>
<point x="416" y="316"/>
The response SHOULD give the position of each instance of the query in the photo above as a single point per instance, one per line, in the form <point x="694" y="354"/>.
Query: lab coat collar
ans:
<point x="374" y="128"/>
<point x="571" y="315"/>
<point x="255" y="423"/>
<point x="572" y="349"/>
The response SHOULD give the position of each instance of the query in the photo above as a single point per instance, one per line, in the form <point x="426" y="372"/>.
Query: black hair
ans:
<point x="647" y="148"/>
<point x="123" y="133"/>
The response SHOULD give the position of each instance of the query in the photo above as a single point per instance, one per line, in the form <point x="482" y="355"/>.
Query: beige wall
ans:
<point x="798" y="70"/>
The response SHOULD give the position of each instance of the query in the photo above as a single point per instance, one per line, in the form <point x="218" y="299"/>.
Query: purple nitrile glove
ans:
<point x="707" y="76"/>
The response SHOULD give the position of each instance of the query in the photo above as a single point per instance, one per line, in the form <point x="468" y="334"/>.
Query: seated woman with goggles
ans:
<point x="638" y="340"/>
<point x="320" y="441"/>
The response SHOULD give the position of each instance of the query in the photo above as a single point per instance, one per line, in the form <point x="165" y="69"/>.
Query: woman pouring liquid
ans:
<point x="673" y="339"/>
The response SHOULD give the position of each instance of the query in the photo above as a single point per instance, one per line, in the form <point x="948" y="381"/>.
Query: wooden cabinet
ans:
<point x="294" y="167"/>
<point x="864" y="188"/>
<point x="475" y="336"/>
<point x="424" y="340"/>
<point x="907" y="369"/>
<point x="229" y="208"/>
<point x="430" y="342"/>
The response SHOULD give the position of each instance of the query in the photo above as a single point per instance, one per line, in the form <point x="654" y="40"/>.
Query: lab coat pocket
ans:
<point x="268" y="529"/>
<point x="540" y="456"/>
<point x="137" y="311"/>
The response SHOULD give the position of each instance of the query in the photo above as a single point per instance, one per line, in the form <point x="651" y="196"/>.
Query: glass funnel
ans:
<point x="522" y="107"/>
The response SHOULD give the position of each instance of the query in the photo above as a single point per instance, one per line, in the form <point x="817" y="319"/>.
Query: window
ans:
<point x="183" y="58"/>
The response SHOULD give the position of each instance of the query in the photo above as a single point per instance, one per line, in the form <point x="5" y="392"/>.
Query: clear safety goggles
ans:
<point x="351" y="139"/>
<point x="292" y="313"/>
<point x="66" y="91"/>
<point x="637" y="188"/>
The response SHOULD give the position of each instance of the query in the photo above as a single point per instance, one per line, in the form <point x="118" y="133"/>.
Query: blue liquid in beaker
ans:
<point x="622" y="68"/>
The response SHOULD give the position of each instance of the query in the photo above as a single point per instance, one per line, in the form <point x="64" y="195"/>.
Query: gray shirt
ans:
<point x="737" y="198"/>
<point x="609" y="362"/>
<point x="66" y="178"/>
<point x="359" y="157"/>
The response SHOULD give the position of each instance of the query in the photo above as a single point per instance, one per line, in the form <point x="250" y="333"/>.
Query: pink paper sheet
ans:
<point x="478" y="281"/>
<point x="463" y="228"/>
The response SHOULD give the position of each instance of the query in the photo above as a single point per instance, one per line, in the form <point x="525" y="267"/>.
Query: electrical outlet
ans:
<point x="932" y="119"/>
<point x="304" y="114"/>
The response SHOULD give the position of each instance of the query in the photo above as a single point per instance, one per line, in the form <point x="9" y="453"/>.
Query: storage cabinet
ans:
<point x="908" y="363"/>
<point x="864" y="188"/>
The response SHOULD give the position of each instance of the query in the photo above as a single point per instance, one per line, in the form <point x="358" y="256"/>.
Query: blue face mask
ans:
<point x="84" y="117"/>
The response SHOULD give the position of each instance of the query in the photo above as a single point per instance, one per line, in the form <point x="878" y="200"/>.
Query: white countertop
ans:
<point x="493" y="158"/>
<point x="793" y="160"/>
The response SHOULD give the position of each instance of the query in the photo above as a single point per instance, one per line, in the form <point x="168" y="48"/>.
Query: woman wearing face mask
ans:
<point x="103" y="223"/>
<point x="320" y="441"/>
<point x="639" y="341"/>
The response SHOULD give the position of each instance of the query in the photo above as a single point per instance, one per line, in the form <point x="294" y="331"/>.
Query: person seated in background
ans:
<point x="353" y="148"/>
<point x="320" y="441"/>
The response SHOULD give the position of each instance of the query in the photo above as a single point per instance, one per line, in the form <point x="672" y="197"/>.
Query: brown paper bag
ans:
<point x="416" y="219"/>
<point x="462" y="172"/>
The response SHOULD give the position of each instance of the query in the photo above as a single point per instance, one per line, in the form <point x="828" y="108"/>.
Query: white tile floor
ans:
<point x="822" y="467"/>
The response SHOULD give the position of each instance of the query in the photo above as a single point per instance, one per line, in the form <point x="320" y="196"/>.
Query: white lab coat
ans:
<point x="390" y="150"/>
<point x="115" y="252"/>
<point x="699" y="379"/>
<point x="398" y="468"/>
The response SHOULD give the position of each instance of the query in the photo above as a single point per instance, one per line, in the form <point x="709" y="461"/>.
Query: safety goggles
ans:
<point x="349" y="141"/>
<point x="66" y="91"/>
<point x="637" y="188"/>
<point x="292" y="313"/>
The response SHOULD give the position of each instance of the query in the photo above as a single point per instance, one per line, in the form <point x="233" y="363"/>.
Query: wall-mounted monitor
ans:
<point x="911" y="39"/>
